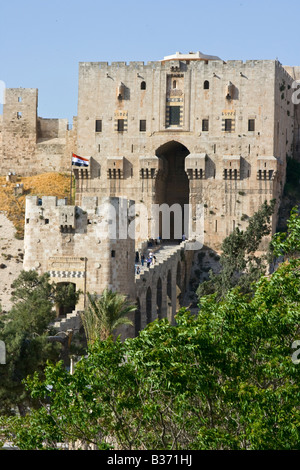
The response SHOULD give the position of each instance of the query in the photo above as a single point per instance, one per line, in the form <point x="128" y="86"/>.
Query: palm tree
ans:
<point x="105" y="314"/>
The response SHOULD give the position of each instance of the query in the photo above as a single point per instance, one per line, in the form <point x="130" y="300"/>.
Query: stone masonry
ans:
<point x="30" y="144"/>
<point x="188" y="131"/>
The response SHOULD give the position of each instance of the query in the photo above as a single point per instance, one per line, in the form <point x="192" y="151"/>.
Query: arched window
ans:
<point x="206" y="85"/>
<point x="143" y="86"/>
<point x="137" y="317"/>
<point x="149" y="305"/>
<point x="159" y="298"/>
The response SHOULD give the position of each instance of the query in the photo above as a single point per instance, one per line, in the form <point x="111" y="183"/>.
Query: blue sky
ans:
<point x="42" y="42"/>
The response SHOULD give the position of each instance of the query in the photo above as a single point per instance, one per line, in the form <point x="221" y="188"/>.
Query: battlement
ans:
<point x="107" y="217"/>
<point x="30" y="144"/>
<point x="174" y="60"/>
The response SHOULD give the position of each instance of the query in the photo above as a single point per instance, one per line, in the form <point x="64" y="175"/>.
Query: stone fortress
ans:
<point x="187" y="131"/>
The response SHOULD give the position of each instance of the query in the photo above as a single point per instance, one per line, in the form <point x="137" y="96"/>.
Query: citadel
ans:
<point x="207" y="137"/>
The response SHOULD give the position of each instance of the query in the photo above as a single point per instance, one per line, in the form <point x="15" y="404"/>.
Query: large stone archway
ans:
<point x="64" y="309"/>
<point x="173" y="187"/>
<point x="159" y="298"/>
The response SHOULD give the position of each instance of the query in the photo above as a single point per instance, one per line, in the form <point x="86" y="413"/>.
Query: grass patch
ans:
<point x="46" y="184"/>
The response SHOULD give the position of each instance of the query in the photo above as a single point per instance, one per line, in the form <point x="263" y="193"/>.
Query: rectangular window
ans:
<point x="143" y="125"/>
<point x="174" y="118"/>
<point x="205" y="125"/>
<point x="98" y="125"/>
<point x="120" y="125"/>
<point x="251" y="125"/>
<point x="228" y="125"/>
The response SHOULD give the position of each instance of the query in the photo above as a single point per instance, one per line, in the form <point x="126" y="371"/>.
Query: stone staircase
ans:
<point x="162" y="253"/>
<point x="71" y="321"/>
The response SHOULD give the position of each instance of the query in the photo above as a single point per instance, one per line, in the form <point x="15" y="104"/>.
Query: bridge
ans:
<point x="159" y="288"/>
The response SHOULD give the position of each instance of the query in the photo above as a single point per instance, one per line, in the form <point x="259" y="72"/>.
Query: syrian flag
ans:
<point x="80" y="161"/>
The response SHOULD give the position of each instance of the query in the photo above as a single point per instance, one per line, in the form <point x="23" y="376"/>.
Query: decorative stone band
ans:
<point x="67" y="274"/>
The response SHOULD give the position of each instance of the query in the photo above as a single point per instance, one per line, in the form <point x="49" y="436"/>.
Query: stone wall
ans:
<point x="81" y="245"/>
<point x="230" y="170"/>
<point x="19" y="129"/>
<point x="29" y="144"/>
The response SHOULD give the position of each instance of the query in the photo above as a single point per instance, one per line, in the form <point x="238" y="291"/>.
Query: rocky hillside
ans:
<point x="11" y="260"/>
<point x="13" y="194"/>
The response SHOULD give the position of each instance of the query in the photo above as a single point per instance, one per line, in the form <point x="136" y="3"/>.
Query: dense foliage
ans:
<point x="240" y="263"/>
<point x="222" y="380"/>
<point x="25" y="331"/>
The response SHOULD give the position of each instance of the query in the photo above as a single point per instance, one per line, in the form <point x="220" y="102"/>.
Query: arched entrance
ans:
<point x="137" y="317"/>
<point x="159" y="298"/>
<point x="149" y="305"/>
<point x="65" y="298"/>
<point x="178" y="287"/>
<point x="173" y="187"/>
<point x="169" y="296"/>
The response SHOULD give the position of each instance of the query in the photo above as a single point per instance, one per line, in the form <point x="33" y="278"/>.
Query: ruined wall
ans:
<point x="54" y="146"/>
<point x="19" y="128"/>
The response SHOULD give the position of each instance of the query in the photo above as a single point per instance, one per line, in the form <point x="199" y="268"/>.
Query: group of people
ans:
<point x="145" y="260"/>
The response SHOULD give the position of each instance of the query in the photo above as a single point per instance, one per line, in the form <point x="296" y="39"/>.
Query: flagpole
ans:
<point x="71" y="180"/>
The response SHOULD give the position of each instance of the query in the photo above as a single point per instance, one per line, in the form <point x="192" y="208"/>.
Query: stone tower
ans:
<point x="19" y="128"/>
<point x="87" y="246"/>
<point x="189" y="129"/>
<point x="30" y="144"/>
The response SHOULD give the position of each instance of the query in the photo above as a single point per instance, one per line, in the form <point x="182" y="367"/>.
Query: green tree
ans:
<point x="287" y="244"/>
<point x="105" y="314"/>
<point x="239" y="263"/>
<point x="66" y="296"/>
<point x="224" y="379"/>
<point x="24" y="331"/>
